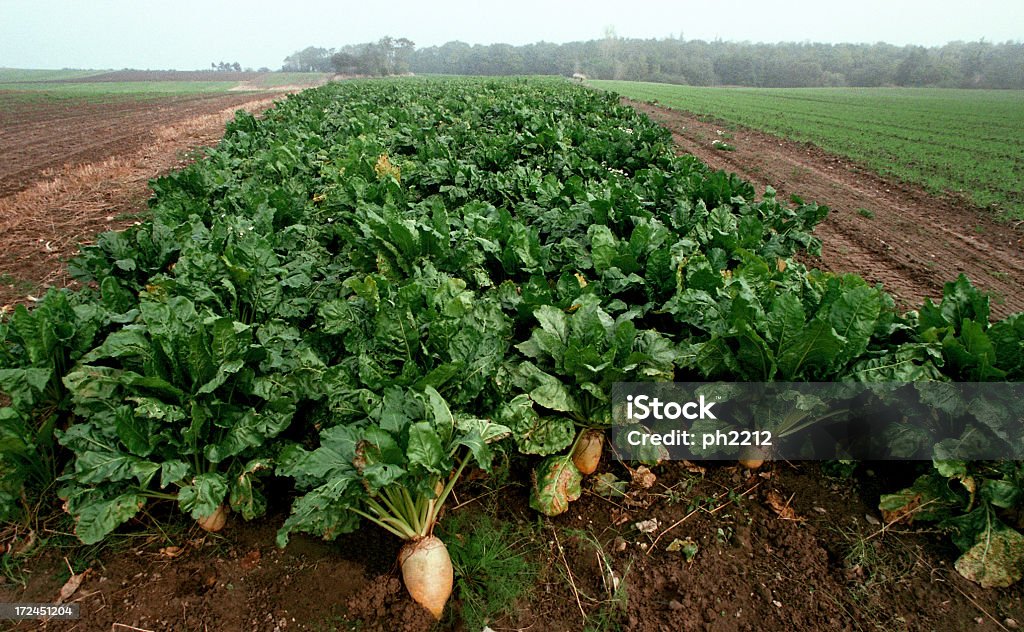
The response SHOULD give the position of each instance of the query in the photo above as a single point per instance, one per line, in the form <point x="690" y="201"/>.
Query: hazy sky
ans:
<point x="187" y="34"/>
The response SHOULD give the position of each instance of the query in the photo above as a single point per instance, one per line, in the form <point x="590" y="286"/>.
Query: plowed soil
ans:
<point x="72" y="168"/>
<point x="886" y="231"/>
<point x="39" y="135"/>
<point x="782" y="550"/>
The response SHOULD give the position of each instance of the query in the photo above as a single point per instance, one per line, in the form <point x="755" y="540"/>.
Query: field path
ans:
<point x="48" y="207"/>
<point x="887" y="232"/>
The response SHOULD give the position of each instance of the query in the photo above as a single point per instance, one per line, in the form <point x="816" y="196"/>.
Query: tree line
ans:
<point x="692" y="62"/>
<point x="386" y="56"/>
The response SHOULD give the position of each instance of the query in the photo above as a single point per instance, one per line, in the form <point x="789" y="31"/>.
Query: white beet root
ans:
<point x="753" y="457"/>
<point x="587" y="454"/>
<point x="215" y="521"/>
<point x="427" y="573"/>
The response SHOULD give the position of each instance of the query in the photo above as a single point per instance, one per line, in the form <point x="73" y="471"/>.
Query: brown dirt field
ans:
<point x="914" y="243"/>
<point x="69" y="170"/>
<point x="39" y="135"/>
<point x="827" y="566"/>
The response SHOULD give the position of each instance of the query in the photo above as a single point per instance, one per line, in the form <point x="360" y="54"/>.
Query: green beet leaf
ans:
<point x="99" y="517"/>
<point x="203" y="495"/>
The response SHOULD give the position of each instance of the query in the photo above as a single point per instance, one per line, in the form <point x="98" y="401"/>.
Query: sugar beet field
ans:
<point x="352" y="369"/>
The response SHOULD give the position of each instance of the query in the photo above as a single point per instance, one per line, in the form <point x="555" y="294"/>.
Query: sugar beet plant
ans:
<point x="367" y="290"/>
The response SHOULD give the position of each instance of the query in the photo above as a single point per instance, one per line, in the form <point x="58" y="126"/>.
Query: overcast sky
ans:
<point x="188" y="34"/>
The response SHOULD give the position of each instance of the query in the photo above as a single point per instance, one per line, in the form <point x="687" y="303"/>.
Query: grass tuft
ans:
<point x="493" y="565"/>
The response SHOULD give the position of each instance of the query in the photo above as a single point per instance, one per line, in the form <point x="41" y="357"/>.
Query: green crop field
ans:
<point x="964" y="141"/>
<point x="277" y="79"/>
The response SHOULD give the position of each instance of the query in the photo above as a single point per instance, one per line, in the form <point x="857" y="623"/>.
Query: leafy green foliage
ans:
<point x="402" y="449"/>
<point x="37" y="348"/>
<point x="179" y="400"/>
<point x="979" y="503"/>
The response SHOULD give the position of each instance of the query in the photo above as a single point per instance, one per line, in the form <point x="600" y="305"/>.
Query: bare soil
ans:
<point x="40" y="135"/>
<point x="888" y="232"/>
<point x="72" y="169"/>
<point x="781" y="550"/>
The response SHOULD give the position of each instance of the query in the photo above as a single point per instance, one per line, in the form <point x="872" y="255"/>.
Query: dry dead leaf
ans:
<point x="693" y="468"/>
<point x="647" y="526"/>
<point x="171" y="551"/>
<point x="70" y="586"/>
<point x="638" y="499"/>
<point x="781" y="506"/>
<point x="643" y="477"/>
<point x="904" y="514"/>
<point x="620" y="517"/>
<point x="251" y="560"/>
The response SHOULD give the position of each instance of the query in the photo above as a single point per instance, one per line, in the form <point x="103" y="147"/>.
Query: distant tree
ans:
<point x="386" y="56"/>
<point x="345" y="62"/>
<point x="402" y="50"/>
<point x="309" y="59"/>
<point x="224" y="66"/>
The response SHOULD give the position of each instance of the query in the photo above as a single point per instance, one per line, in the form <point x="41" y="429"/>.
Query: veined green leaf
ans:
<point x="203" y="495"/>
<point x="811" y="353"/>
<point x="100" y="517"/>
